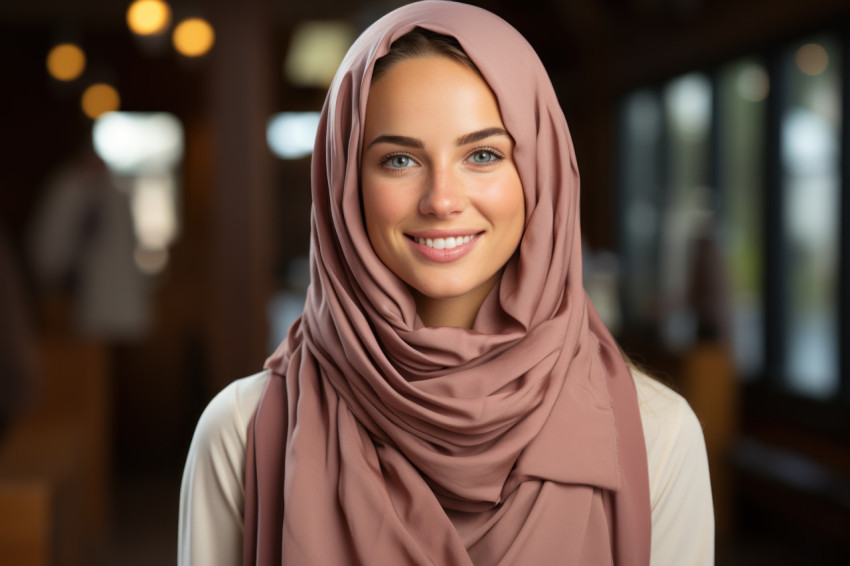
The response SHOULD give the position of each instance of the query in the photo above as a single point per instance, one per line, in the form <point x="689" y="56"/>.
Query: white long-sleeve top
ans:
<point x="212" y="494"/>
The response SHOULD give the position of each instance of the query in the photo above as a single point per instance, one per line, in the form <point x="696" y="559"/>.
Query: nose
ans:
<point x="444" y="195"/>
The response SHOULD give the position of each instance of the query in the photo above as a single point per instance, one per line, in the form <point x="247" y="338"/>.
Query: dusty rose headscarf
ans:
<point x="379" y="441"/>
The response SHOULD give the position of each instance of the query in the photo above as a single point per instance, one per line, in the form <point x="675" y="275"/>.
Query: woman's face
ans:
<point x="442" y="199"/>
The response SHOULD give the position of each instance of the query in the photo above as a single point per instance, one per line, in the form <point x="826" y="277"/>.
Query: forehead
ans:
<point x="431" y="89"/>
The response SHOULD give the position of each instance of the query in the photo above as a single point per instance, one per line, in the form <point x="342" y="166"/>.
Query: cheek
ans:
<point x="507" y="205"/>
<point x="369" y="212"/>
<point x="381" y="209"/>
<point x="518" y="201"/>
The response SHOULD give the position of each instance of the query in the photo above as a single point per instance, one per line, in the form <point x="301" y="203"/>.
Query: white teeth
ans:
<point x="444" y="243"/>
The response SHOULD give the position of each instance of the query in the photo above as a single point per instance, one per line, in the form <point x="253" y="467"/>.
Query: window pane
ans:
<point x="640" y="189"/>
<point x="687" y="205"/>
<point x="743" y="89"/>
<point x="810" y="132"/>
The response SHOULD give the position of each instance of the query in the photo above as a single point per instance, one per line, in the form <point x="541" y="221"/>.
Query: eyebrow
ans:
<point x="481" y="135"/>
<point x="462" y="140"/>
<point x="398" y="140"/>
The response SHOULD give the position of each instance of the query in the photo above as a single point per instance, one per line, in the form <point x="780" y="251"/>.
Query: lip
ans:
<point x="444" y="255"/>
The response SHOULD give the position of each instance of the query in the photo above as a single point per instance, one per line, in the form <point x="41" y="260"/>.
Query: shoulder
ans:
<point x="667" y="418"/>
<point x="672" y="433"/>
<point x="224" y="422"/>
<point x="679" y="484"/>
<point x="212" y="495"/>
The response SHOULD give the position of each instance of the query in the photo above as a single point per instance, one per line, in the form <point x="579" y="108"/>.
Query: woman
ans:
<point x="449" y="395"/>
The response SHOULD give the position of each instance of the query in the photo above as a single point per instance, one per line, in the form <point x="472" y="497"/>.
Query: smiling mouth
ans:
<point x="444" y="243"/>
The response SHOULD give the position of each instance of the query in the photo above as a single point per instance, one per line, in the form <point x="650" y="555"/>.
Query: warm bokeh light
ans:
<point x="148" y="17"/>
<point x="193" y="37"/>
<point x="99" y="99"/>
<point x="66" y="62"/>
<point x="812" y="59"/>
<point x="316" y="50"/>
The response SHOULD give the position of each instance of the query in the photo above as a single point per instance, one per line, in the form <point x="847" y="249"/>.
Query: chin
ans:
<point x="447" y="290"/>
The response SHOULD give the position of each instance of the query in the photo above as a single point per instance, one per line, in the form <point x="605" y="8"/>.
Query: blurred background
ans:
<point x="154" y="218"/>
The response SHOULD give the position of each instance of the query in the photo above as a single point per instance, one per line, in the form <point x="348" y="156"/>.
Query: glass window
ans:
<point x="743" y="87"/>
<point x="810" y="141"/>
<point x="641" y="126"/>
<point x="687" y="205"/>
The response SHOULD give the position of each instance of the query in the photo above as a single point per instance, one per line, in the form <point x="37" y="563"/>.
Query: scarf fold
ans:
<point x="381" y="441"/>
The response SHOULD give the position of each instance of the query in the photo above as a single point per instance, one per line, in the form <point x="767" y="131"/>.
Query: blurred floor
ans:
<point x="144" y="527"/>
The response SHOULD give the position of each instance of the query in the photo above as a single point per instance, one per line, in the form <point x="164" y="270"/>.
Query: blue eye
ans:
<point x="484" y="156"/>
<point x="399" y="161"/>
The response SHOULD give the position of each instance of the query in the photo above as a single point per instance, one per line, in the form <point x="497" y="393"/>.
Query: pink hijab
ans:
<point x="379" y="441"/>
